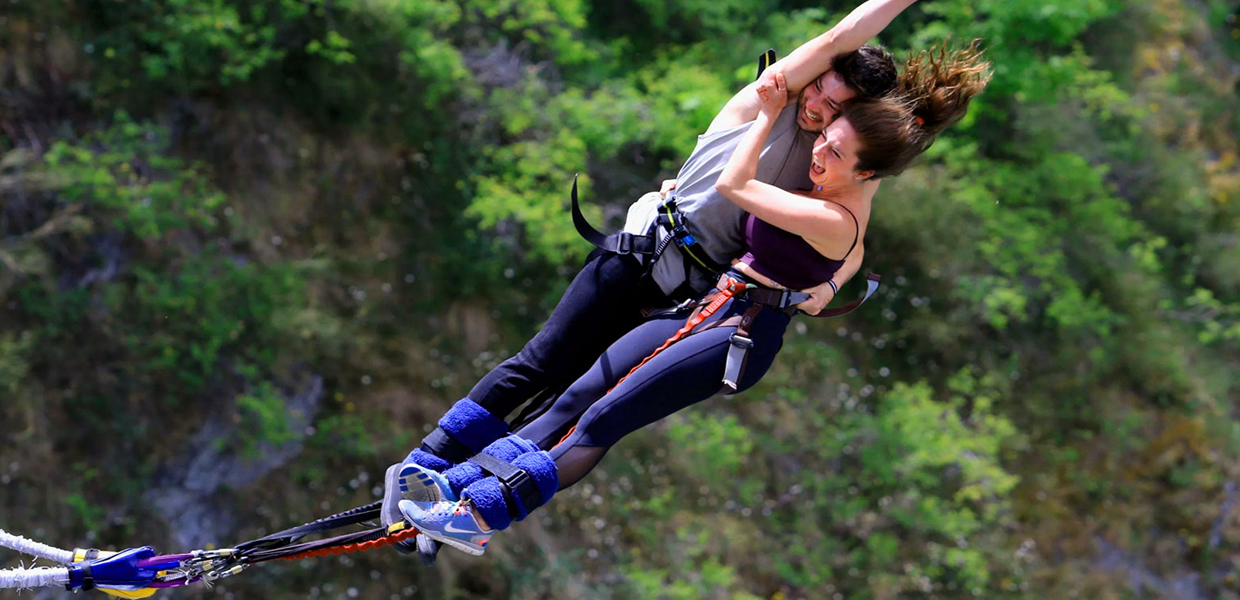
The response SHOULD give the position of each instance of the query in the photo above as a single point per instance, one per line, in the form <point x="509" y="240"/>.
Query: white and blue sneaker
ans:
<point x="420" y="484"/>
<point x="413" y="482"/>
<point x="450" y="522"/>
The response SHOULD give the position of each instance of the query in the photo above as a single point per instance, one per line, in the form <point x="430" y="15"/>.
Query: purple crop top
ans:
<point x="786" y="257"/>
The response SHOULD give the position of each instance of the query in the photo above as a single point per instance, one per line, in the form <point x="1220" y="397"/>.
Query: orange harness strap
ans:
<point x="386" y="540"/>
<point x="730" y="290"/>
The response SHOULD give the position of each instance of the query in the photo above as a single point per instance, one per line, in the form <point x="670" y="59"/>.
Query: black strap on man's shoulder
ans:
<point x="765" y="60"/>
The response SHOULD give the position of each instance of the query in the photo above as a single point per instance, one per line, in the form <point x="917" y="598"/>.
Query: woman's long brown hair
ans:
<point x="932" y="92"/>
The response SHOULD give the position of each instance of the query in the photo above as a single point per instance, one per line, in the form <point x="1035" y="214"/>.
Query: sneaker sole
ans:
<point x="417" y="486"/>
<point x="467" y="548"/>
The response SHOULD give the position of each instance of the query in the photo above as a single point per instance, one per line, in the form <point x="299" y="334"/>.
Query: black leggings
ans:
<point x="689" y="371"/>
<point x="603" y="301"/>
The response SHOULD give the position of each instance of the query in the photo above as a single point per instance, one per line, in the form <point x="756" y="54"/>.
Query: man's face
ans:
<point x="821" y="101"/>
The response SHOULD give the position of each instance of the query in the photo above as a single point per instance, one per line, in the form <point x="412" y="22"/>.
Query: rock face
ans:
<point x="1183" y="585"/>
<point x="185" y="493"/>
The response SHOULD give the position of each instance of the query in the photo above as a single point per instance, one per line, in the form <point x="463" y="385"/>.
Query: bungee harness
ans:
<point x="139" y="572"/>
<point x="677" y="223"/>
<point x="732" y="285"/>
<point x="678" y="228"/>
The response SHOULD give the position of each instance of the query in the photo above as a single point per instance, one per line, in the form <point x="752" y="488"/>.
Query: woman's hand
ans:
<point x="819" y="297"/>
<point x="773" y="93"/>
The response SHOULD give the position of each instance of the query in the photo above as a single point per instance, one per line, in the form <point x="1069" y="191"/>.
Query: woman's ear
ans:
<point x="863" y="175"/>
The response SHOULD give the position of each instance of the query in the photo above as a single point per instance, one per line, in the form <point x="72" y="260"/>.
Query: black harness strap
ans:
<point x="620" y="243"/>
<point x="517" y="482"/>
<point x="765" y="60"/>
<point x="280" y="539"/>
<point x="88" y="579"/>
<point x="442" y="444"/>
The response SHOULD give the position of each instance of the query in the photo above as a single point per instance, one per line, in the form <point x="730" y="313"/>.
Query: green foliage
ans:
<point x="13" y="365"/>
<point x="183" y="322"/>
<point x="344" y="433"/>
<point x="184" y="45"/>
<point x="704" y="580"/>
<point x="721" y="442"/>
<point x="1050" y="362"/>
<point x="920" y="481"/>
<point x="177" y="315"/>
<point x="88" y="514"/>
<point x="264" y="420"/>
<point x="124" y="172"/>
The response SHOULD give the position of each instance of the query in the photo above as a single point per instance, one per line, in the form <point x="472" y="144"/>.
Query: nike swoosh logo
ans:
<point x="450" y="529"/>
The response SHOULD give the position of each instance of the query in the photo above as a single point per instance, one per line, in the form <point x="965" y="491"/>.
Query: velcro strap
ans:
<point x="736" y="359"/>
<point x="442" y="444"/>
<point x="516" y="479"/>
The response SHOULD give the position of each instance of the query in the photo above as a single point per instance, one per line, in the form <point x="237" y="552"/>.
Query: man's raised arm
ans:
<point x="812" y="59"/>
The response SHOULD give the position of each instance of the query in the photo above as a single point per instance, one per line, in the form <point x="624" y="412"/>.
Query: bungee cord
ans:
<point x="139" y="572"/>
<point x="35" y="577"/>
<point x="33" y="548"/>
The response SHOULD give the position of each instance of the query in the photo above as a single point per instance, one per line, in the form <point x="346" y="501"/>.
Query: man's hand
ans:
<point x="668" y="185"/>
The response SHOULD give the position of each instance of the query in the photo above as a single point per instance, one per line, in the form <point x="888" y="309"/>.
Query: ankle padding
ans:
<point x="529" y="482"/>
<point x="487" y="496"/>
<point x="464" y="431"/>
<point x="428" y="460"/>
<point x="541" y="468"/>
<point x="507" y="449"/>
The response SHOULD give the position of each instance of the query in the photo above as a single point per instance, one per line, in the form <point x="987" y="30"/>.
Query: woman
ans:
<point x="792" y="239"/>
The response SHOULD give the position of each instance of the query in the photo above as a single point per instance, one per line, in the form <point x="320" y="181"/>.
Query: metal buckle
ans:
<point x="624" y="243"/>
<point x="741" y="341"/>
<point x="522" y="485"/>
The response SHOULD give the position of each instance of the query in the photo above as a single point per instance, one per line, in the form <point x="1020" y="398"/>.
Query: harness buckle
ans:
<point x="741" y="341"/>
<point x="522" y="485"/>
<point x="731" y="285"/>
<point x="624" y="243"/>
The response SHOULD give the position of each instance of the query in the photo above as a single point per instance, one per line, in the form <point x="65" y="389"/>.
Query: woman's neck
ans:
<point x="840" y="192"/>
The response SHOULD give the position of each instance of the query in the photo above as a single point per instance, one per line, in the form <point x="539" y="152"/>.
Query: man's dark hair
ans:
<point x="869" y="70"/>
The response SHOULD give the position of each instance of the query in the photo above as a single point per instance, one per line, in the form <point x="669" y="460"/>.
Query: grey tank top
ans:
<point x="715" y="221"/>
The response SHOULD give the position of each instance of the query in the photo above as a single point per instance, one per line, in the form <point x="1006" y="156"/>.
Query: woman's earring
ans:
<point x="819" y="188"/>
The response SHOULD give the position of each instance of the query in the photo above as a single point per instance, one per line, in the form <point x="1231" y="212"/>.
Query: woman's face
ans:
<point x="835" y="154"/>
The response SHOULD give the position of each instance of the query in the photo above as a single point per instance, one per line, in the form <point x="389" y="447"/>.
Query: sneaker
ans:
<point x="452" y="523"/>
<point x="420" y="484"/>
<point x="412" y="482"/>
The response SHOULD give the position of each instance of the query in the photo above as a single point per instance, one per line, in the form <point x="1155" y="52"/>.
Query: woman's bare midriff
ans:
<point x="755" y="276"/>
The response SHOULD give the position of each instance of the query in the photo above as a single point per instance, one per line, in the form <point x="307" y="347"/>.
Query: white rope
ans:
<point x="33" y="578"/>
<point x="33" y="548"/>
